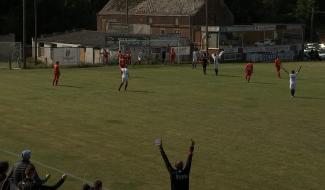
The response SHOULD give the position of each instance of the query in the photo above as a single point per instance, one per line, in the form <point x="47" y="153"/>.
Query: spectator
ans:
<point x="4" y="183"/>
<point x="17" y="172"/>
<point x="86" y="187"/>
<point x="179" y="176"/>
<point x="98" y="185"/>
<point x="28" y="182"/>
<point x="163" y="56"/>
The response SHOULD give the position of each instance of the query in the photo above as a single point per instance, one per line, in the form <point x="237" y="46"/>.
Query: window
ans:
<point x="150" y="20"/>
<point x="176" y="21"/>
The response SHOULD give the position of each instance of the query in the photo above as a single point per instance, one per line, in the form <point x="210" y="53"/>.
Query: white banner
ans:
<point x="67" y="56"/>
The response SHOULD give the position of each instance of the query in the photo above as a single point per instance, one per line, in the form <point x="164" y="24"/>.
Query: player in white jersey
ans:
<point x="125" y="78"/>
<point x="293" y="78"/>
<point x="195" y="58"/>
<point x="216" y="58"/>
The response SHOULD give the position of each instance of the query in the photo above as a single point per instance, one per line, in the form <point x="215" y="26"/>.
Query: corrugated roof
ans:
<point x="83" y="37"/>
<point x="153" y="7"/>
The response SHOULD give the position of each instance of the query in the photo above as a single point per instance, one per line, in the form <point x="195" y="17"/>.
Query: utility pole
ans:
<point x="206" y="26"/>
<point x="127" y="12"/>
<point x="311" y="24"/>
<point x="35" y="38"/>
<point x="313" y="12"/>
<point x="24" y="34"/>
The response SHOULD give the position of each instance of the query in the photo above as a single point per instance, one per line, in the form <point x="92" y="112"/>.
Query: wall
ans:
<point x="89" y="54"/>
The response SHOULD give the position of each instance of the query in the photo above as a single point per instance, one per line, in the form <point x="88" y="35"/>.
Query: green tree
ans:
<point x="303" y="9"/>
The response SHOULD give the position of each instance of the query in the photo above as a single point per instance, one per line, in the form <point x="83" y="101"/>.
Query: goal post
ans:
<point x="10" y="55"/>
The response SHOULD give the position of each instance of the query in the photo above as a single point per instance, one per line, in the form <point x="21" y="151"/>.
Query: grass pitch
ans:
<point x="248" y="135"/>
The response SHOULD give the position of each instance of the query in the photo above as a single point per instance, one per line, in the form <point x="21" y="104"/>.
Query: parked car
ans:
<point x="322" y="54"/>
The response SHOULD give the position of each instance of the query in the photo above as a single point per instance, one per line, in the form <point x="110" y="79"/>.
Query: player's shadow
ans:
<point x="141" y="91"/>
<point x="138" y="77"/>
<point x="231" y="76"/>
<point x="69" y="86"/>
<point x="309" y="98"/>
<point x="268" y="83"/>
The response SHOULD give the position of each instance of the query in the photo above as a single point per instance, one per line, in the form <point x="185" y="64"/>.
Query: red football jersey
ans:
<point x="122" y="62"/>
<point x="249" y="67"/>
<point x="56" y="68"/>
<point x="277" y="62"/>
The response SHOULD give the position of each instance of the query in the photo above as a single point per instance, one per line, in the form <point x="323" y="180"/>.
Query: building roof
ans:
<point x="82" y="37"/>
<point x="7" y="38"/>
<point x="153" y="7"/>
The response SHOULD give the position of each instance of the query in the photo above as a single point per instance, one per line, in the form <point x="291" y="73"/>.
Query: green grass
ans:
<point x="249" y="135"/>
<point x="4" y="65"/>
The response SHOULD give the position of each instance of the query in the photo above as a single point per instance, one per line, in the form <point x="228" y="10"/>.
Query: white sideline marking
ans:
<point x="52" y="168"/>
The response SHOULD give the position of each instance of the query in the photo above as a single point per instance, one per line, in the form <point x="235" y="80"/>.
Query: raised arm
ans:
<point x="40" y="181"/>
<point x="284" y="70"/>
<point x="165" y="158"/>
<point x="56" y="186"/>
<point x="189" y="158"/>
<point x="299" y="69"/>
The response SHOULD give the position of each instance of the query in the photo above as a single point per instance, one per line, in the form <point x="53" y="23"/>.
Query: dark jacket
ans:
<point x="30" y="184"/>
<point x="17" y="173"/>
<point x="4" y="182"/>
<point x="179" y="178"/>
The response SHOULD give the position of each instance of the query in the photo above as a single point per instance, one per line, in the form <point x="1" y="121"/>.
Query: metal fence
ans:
<point x="157" y="51"/>
<point x="142" y="51"/>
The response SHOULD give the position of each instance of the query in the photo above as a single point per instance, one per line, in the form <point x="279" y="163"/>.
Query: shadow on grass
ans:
<point x="232" y="76"/>
<point x="254" y="82"/>
<point x="115" y="121"/>
<point x="141" y="91"/>
<point x="137" y="77"/>
<point x="69" y="86"/>
<point x="309" y="98"/>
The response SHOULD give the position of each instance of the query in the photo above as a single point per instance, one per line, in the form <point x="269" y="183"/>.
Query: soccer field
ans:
<point x="248" y="135"/>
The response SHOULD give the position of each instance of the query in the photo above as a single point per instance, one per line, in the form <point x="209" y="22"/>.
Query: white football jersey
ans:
<point x="125" y="73"/>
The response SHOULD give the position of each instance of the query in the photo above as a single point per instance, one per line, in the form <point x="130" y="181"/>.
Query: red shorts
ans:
<point x="278" y="68"/>
<point x="56" y="76"/>
<point x="249" y="73"/>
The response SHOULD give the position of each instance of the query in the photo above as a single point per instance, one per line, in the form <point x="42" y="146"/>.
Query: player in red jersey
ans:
<point x="277" y="64"/>
<point x="122" y="61"/>
<point x="248" y="71"/>
<point x="172" y="56"/>
<point x="128" y="57"/>
<point x="56" y="69"/>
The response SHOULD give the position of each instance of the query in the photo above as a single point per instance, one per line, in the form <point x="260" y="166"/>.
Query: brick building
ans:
<point x="156" y="17"/>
